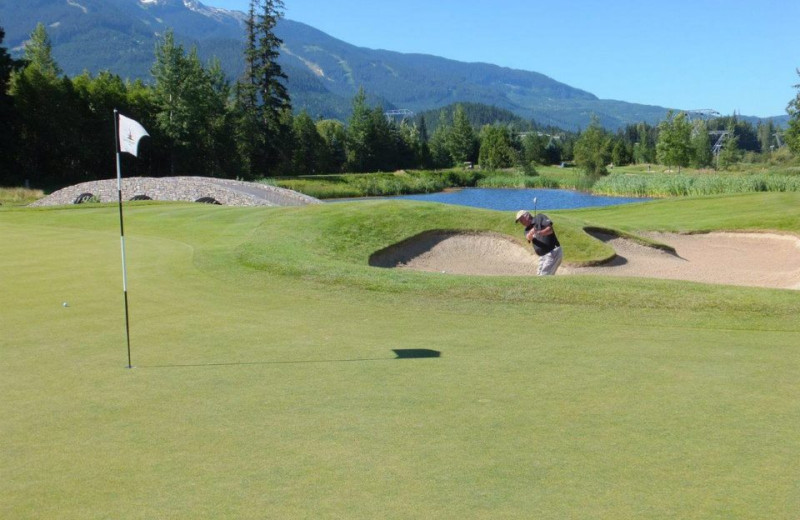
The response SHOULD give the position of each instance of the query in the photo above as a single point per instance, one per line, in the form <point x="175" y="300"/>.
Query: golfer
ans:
<point x="539" y="232"/>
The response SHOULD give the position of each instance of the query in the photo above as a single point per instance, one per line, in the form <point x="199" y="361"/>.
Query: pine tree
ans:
<point x="8" y="168"/>
<point x="701" y="146"/>
<point x="263" y="99"/>
<point x="307" y="156"/>
<point x="534" y="149"/>
<point x="674" y="141"/>
<point x="39" y="53"/>
<point x="440" y="156"/>
<point x="48" y="110"/>
<point x="170" y="93"/>
<point x="593" y="149"/>
<point x="644" y="146"/>
<point x="496" y="149"/>
<point x="792" y="134"/>
<point x="620" y="155"/>
<point x="730" y="154"/>
<point x="360" y="138"/>
<point x="764" y="132"/>
<point x="224" y="159"/>
<point x="424" y="158"/>
<point x="98" y="97"/>
<point x="334" y="136"/>
<point x="462" y="144"/>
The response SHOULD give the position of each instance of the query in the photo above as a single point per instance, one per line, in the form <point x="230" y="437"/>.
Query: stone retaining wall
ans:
<point x="187" y="189"/>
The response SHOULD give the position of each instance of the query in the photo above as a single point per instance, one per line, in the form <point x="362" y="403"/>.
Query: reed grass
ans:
<point x="19" y="196"/>
<point x="378" y="184"/>
<point x="670" y="185"/>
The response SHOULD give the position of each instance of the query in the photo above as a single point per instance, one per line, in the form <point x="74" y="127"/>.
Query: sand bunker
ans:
<point x="750" y="259"/>
<point x="753" y="259"/>
<point x="459" y="253"/>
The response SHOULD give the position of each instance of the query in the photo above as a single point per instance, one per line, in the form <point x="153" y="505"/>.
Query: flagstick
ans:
<point x="122" y="238"/>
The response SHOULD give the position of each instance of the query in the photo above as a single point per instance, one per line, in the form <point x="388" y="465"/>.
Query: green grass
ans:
<point x="266" y="387"/>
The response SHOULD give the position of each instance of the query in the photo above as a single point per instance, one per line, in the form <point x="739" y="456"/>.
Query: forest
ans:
<point x="59" y="130"/>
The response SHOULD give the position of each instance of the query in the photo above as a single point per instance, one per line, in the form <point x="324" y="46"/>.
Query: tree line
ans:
<point x="677" y="142"/>
<point x="60" y="130"/>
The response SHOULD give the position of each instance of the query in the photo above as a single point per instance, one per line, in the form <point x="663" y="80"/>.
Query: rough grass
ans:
<point x="19" y="196"/>
<point x="378" y="184"/>
<point x="634" y="181"/>
<point x="266" y="386"/>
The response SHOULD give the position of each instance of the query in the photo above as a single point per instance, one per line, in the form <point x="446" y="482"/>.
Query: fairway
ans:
<point x="266" y="382"/>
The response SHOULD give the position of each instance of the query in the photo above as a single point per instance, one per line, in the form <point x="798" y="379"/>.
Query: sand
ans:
<point x="747" y="259"/>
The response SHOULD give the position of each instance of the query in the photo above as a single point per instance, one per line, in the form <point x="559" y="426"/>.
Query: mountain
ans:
<point x="324" y="72"/>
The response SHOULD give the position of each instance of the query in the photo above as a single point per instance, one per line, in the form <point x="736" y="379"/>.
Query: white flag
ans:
<point x="130" y="132"/>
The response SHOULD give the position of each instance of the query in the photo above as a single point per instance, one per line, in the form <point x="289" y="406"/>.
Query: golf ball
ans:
<point x="65" y="304"/>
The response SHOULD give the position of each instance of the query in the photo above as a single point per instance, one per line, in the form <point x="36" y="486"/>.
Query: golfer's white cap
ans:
<point x="521" y="213"/>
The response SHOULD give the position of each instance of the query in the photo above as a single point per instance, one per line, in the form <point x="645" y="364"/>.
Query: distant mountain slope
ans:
<point x="324" y="72"/>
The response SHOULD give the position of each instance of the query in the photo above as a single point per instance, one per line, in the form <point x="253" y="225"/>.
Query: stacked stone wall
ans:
<point x="185" y="189"/>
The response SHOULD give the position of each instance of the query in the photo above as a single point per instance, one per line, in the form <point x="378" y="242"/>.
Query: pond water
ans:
<point x="512" y="199"/>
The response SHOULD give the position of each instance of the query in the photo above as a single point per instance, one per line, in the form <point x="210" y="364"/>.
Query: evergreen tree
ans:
<point x="462" y="143"/>
<point x="360" y="136"/>
<point x="334" y="137"/>
<point x="593" y="149"/>
<point x="674" y="141"/>
<point x="263" y="100"/>
<point x="408" y="146"/>
<point x="534" y="148"/>
<point x="8" y="168"/>
<point x="792" y="134"/>
<point x="192" y="113"/>
<point x="173" y="99"/>
<point x="48" y="111"/>
<point x="620" y="154"/>
<point x="701" y="146"/>
<point x="765" y="132"/>
<point x="423" y="158"/>
<point x="386" y="143"/>
<point x="440" y="156"/>
<point x="496" y="148"/>
<point x="39" y="53"/>
<point x="423" y="130"/>
<point x="729" y="154"/>
<point x="98" y="97"/>
<point x="308" y="153"/>
<point x="644" y="143"/>
<point x="553" y="152"/>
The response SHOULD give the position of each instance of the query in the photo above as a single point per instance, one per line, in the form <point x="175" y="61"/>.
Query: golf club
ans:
<point x="534" y="206"/>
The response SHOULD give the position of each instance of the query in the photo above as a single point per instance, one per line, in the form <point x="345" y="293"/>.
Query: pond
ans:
<point x="504" y="199"/>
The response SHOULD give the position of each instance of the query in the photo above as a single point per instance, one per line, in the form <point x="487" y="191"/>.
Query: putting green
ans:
<point x="266" y="384"/>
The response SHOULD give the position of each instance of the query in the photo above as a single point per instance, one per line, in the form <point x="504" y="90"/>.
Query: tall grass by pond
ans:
<point x="617" y="184"/>
<point x="379" y="184"/>
<point x="677" y="185"/>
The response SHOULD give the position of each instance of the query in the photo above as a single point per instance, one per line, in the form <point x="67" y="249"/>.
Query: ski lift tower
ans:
<point x="401" y="114"/>
<point x="720" y="135"/>
<point x="703" y="114"/>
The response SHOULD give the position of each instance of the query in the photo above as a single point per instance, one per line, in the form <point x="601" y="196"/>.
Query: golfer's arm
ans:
<point x="546" y="231"/>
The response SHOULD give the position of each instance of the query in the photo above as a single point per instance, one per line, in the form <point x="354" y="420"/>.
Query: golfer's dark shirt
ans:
<point x="543" y="244"/>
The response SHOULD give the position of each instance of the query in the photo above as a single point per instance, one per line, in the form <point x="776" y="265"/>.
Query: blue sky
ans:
<point x="726" y="55"/>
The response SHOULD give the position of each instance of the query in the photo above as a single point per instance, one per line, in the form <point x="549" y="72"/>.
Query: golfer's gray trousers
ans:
<point x="549" y="263"/>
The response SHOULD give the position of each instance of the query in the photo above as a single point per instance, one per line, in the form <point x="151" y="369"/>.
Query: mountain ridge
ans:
<point x="324" y="72"/>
